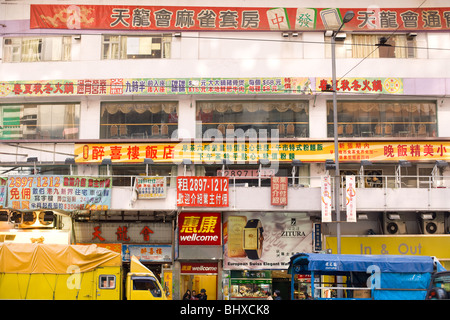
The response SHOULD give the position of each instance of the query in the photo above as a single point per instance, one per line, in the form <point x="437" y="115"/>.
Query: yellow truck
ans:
<point x="72" y="272"/>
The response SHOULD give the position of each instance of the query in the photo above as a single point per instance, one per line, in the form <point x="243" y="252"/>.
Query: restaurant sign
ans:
<point x="207" y="18"/>
<point x="249" y="152"/>
<point x="147" y="252"/>
<point x="156" y="86"/>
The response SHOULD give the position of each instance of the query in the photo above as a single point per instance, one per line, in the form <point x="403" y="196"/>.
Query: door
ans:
<point x="108" y="283"/>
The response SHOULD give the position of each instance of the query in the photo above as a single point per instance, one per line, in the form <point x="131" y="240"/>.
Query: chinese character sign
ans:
<point x="350" y="190"/>
<point x="325" y="198"/>
<point x="244" y="152"/>
<point x="363" y="85"/>
<point x="200" y="228"/>
<point x="202" y="191"/>
<point x="65" y="193"/>
<point x="3" y="190"/>
<point x="279" y="191"/>
<point x="168" y="18"/>
<point x="156" y="86"/>
<point x="147" y="252"/>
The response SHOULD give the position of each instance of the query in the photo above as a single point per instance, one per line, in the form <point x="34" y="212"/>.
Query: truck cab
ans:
<point x="142" y="284"/>
<point x="439" y="288"/>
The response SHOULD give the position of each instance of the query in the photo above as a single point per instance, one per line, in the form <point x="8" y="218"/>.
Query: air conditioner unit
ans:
<point x="434" y="224"/>
<point x="393" y="224"/>
<point x="38" y="219"/>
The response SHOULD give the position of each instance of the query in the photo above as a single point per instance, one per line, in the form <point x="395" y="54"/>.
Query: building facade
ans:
<point x="201" y="138"/>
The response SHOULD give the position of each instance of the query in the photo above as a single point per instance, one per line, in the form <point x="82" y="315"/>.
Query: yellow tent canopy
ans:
<point x="54" y="258"/>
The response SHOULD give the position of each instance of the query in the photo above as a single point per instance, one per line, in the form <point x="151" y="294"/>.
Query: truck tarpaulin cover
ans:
<point x="400" y="277"/>
<point x="333" y="263"/>
<point x="54" y="258"/>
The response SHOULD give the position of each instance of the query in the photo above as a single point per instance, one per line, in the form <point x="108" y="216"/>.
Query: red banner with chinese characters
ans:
<point x="279" y="191"/>
<point x="200" y="228"/>
<point x="124" y="17"/>
<point x="202" y="191"/>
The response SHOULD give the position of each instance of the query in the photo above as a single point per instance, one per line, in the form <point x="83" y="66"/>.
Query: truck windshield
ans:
<point x="146" y="283"/>
<point x="440" y="287"/>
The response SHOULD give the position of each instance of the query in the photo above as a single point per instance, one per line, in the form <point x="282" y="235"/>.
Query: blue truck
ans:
<point x="370" y="277"/>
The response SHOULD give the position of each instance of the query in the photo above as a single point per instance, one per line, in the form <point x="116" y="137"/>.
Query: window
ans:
<point x="107" y="282"/>
<point x="366" y="46"/>
<point x="121" y="173"/>
<point x="39" y="121"/>
<point x="247" y="174"/>
<point x="136" y="47"/>
<point x="140" y="120"/>
<point x="37" y="49"/>
<point x="252" y="119"/>
<point x="146" y="283"/>
<point x="384" y="119"/>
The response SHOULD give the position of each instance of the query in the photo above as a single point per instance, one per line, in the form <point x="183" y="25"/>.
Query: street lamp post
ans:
<point x="347" y="17"/>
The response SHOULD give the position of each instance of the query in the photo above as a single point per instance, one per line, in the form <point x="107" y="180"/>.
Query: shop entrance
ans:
<point x="281" y="281"/>
<point x="197" y="282"/>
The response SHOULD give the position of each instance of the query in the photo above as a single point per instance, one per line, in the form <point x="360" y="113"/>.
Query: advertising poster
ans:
<point x="264" y="241"/>
<point x="65" y="193"/>
<point x="202" y="191"/>
<point x="279" y="191"/>
<point x="325" y="198"/>
<point x="3" y="189"/>
<point x="151" y="187"/>
<point x="247" y="152"/>
<point x="350" y="190"/>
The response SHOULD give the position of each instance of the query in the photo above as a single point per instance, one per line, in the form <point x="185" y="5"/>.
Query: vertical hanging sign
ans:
<point x="326" y="198"/>
<point x="279" y="191"/>
<point x="350" y="198"/>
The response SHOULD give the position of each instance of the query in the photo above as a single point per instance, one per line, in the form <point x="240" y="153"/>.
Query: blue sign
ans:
<point x="66" y="193"/>
<point x="317" y="237"/>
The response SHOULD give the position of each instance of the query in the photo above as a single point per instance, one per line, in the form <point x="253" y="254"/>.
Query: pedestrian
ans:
<point x="194" y="295"/>
<point x="276" y="295"/>
<point x="269" y="296"/>
<point x="187" y="295"/>
<point x="203" y="295"/>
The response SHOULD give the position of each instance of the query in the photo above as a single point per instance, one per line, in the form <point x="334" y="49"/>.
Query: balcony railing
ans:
<point x="362" y="181"/>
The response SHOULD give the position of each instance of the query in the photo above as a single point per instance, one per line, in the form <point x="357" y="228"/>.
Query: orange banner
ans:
<point x="248" y="152"/>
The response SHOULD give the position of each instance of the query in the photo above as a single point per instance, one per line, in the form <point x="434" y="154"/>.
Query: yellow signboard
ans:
<point x="248" y="152"/>
<point x="420" y="245"/>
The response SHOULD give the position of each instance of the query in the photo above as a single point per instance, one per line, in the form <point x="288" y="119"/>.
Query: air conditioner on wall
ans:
<point x="393" y="224"/>
<point x="38" y="219"/>
<point x="433" y="223"/>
